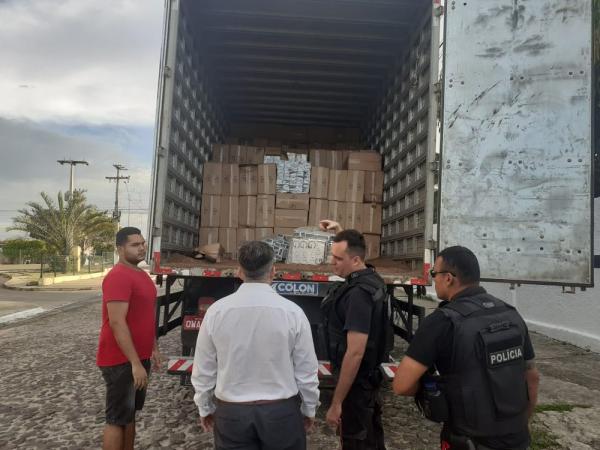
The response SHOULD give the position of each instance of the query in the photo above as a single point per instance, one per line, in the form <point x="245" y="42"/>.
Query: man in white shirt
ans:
<point x="255" y="367"/>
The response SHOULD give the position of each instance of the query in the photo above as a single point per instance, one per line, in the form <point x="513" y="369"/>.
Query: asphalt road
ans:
<point x="12" y="301"/>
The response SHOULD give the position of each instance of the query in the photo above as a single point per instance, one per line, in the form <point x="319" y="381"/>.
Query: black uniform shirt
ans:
<point x="355" y="310"/>
<point x="432" y="346"/>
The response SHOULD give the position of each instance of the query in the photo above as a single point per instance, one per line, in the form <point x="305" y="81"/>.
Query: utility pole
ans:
<point x="119" y="177"/>
<point x="72" y="163"/>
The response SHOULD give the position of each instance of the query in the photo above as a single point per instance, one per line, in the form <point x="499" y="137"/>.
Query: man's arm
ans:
<point x="204" y="374"/>
<point x="355" y="350"/>
<point x="532" y="375"/>
<point x="406" y="380"/>
<point x="117" y="319"/>
<point x="306" y="368"/>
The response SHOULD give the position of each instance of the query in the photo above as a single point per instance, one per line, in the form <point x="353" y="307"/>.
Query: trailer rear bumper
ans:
<point x="183" y="365"/>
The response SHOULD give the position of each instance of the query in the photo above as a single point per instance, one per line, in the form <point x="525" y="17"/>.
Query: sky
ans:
<point x="78" y="80"/>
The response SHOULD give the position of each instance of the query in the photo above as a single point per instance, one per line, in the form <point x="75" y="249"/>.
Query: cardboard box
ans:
<point x="319" y="182"/>
<point x="244" y="235"/>
<point x="267" y="179"/>
<point x="373" y="246"/>
<point x="320" y="158"/>
<point x="211" y="178"/>
<point x="228" y="239"/>
<point x="261" y="233"/>
<point x="319" y="210"/>
<point x="338" y="160"/>
<point x="273" y="151"/>
<point x="337" y="185"/>
<point x="286" y="231"/>
<point x="236" y="154"/>
<point x="265" y="211"/>
<point x="355" y="186"/>
<point x="210" y="211"/>
<point x="212" y="252"/>
<point x="208" y="236"/>
<point x="353" y="217"/>
<point x="371" y="218"/>
<point x="292" y="201"/>
<point x="368" y="160"/>
<point x="337" y="212"/>
<point x="254" y="155"/>
<point x="373" y="187"/>
<point x="229" y="211"/>
<point x="291" y="218"/>
<point x="220" y="153"/>
<point x="247" y="212"/>
<point x="230" y="179"/>
<point x="248" y="180"/>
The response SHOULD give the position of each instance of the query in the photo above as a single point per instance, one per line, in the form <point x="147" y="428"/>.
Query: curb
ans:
<point x="50" y="287"/>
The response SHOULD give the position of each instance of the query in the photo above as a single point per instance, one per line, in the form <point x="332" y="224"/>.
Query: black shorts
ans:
<point x="122" y="398"/>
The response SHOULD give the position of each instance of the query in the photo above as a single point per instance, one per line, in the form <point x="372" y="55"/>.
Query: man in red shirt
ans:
<point x="127" y="342"/>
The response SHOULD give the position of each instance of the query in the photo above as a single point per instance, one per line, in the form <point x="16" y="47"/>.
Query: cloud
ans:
<point x="80" y="60"/>
<point x="29" y="153"/>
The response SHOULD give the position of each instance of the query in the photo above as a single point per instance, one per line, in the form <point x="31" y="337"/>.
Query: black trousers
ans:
<point x="271" y="426"/>
<point x="361" y="427"/>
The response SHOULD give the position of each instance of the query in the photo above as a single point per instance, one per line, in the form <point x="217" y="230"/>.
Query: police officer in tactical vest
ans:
<point x="355" y="320"/>
<point x="470" y="363"/>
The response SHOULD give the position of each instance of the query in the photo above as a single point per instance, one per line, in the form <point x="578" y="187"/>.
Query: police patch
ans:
<point x="505" y="356"/>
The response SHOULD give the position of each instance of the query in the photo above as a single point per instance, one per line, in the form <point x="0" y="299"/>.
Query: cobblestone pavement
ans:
<point x="53" y="396"/>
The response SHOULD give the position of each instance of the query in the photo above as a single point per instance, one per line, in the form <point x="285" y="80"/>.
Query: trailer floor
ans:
<point x="386" y="267"/>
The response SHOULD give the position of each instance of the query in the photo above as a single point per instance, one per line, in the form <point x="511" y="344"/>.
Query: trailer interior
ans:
<point x="341" y="74"/>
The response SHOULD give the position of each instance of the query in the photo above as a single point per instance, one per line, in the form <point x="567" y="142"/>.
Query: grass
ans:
<point x="542" y="440"/>
<point x="558" y="407"/>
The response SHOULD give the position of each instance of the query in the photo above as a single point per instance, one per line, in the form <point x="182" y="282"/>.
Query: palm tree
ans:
<point x="66" y="223"/>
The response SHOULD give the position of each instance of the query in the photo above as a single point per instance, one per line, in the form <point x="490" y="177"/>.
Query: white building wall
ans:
<point x="573" y="318"/>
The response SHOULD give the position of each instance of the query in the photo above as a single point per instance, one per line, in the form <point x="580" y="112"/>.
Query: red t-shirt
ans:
<point x="126" y="284"/>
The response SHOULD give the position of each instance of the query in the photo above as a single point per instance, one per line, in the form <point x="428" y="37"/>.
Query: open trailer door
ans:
<point x="516" y="160"/>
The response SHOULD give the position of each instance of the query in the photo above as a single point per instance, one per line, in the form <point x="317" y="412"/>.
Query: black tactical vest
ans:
<point x="335" y="335"/>
<point x="486" y="389"/>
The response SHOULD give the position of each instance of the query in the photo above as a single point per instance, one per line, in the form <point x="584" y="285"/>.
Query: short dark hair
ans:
<point x="355" y="240"/>
<point x="256" y="259"/>
<point x="124" y="233"/>
<point x="462" y="262"/>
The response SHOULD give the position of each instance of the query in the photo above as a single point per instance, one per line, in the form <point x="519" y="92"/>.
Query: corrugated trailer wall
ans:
<point x="399" y="131"/>
<point x="196" y="124"/>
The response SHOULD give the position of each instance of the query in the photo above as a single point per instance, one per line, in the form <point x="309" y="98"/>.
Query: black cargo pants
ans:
<point x="361" y="427"/>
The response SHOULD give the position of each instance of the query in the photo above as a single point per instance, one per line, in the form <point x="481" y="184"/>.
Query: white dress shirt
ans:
<point x="255" y="345"/>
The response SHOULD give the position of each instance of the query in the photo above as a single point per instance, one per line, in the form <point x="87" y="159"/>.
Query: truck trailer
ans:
<point x="481" y="112"/>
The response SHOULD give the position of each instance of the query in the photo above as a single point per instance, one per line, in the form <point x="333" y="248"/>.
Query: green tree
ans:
<point x="14" y="249"/>
<point x="63" y="224"/>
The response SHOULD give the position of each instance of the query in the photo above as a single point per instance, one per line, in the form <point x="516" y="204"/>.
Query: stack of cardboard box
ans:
<point x="348" y="187"/>
<point x="241" y="200"/>
<point x="238" y="197"/>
